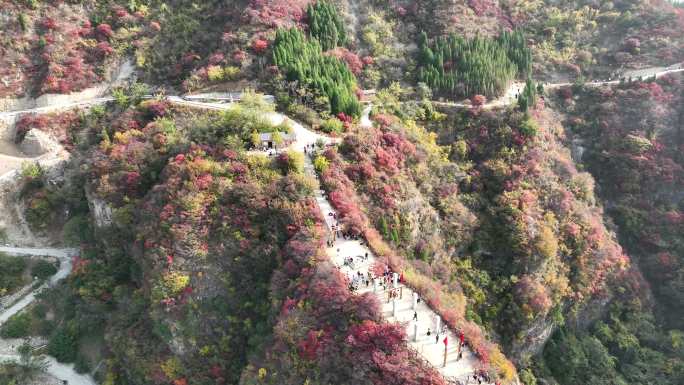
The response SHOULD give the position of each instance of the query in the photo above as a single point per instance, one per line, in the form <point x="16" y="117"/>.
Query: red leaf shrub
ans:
<point x="104" y="31"/>
<point x="156" y="108"/>
<point x="533" y="294"/>
<point x="353" y="62"/>
<point x="216" y="58"/>
<point x="259" y="46"/>
<point x="48" y="23"/>
<point x="204" y="181"/>
<point x="483" y="7"/>
<point x="384" y="120"/>
<point x="275" y="13"/>
<point x="632" y="45"/>
<point x="309" y="346"/>
<point x="132" y="179"/>
<point x="27" y="122"/>
<point x="478" y="100"/>
<point x="344" y="117"/>
<point x="104" y="49"/>
<point x="239" y="56"/>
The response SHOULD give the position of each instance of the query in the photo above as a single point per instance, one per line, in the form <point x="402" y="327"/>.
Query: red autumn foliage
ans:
<point x="478" y="100"/>
<point x="482" y="7"/>
<point x="104" y="49"/>
<point x="204" y="181"/>
<point x="156" y="108"/>
<point x="104" y="31"/>
<point x="239" y="56"/>
<point x="48" y="23"/>
<point x="309" y="346"/>
<point x="353" y="62"/>
<point x="384" y="120"/>
<point x="344" y="117"/>
<point x="275" y="13"/>
<point x="259" y="45"/>
<point x="533" y="294"/>
<point x="216" y="58"/>
<point x="216" y="371"/>
<point x="132" y="179"/>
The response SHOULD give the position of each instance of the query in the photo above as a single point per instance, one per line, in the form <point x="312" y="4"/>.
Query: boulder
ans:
<point x="37" y="142"/>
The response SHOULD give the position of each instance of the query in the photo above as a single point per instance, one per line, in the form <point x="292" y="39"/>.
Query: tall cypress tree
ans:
<point x="326" y="25"/>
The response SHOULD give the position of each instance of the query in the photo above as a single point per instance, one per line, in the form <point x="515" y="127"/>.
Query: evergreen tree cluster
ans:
<point x="528" y="97"/>
<point x="302" y="60"/>
<point x="457" y="66"/>
<point x="326" y="25"/>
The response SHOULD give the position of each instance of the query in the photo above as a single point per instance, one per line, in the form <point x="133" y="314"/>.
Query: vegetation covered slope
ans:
<point x="202" y="263"/>
<point x="631" y="137"/>
<point x="211" y="268"/>
<point x="65" y="46"/>
<point x="628" y="137"/>
<point x="568" y="38"/>
<point x="62" y="46"/>
<point x="514" y="235"/>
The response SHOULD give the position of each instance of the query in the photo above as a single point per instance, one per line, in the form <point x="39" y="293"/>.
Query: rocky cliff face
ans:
<point x="7" y="130"/>
<point x="100" y="210"/>
<point x="37" y="142"/>
<point x="535" y="337"/>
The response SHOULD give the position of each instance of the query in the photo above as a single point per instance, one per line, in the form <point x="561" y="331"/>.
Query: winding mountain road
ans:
<point x="509" y="97"/>
<point x="64" y="256"/>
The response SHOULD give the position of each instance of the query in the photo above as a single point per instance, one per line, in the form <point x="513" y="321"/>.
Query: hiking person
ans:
<point x="415" y="316"/>
<point x="429" y="332"/>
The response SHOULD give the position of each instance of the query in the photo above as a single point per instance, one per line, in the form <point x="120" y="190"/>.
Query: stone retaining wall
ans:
<point x="122" y="72"/>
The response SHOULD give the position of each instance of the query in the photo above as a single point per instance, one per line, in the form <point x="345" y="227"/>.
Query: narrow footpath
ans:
<point x="431" y="347"/>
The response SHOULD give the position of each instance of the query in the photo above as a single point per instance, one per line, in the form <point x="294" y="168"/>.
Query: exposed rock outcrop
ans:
<point x="37" y="142"/>
<point x="7" y="130"/>
<point x="101" y="211"/>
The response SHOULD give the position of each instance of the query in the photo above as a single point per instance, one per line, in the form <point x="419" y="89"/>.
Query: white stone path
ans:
<point x="402" y="310"/>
